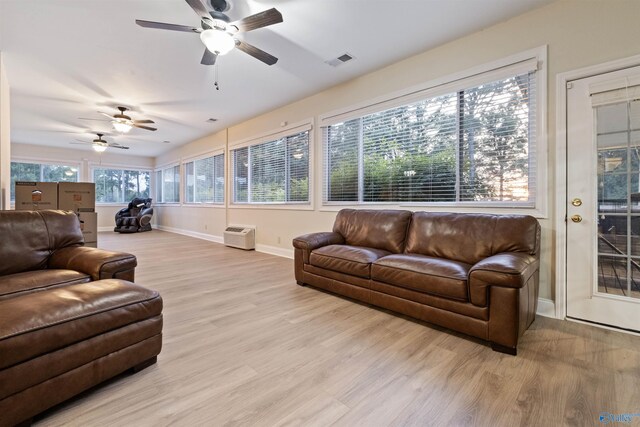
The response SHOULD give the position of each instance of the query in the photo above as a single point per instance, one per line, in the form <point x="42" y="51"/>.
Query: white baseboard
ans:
<point x="274" y="250"/>
<point x="546" y="308"/>
<point x="196" y="234"/>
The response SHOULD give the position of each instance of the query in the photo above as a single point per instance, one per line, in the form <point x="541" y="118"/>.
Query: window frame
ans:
<point x="156" y="184"/>
<point x="453" y="83"/>
<point x="183" y="187"/>
<point x="35" y="160"/>
<point x="269" y="136"/>
<point x="94" y="166"/>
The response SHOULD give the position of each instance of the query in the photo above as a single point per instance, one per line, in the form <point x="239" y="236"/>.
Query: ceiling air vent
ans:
<point x="345" y="57"/>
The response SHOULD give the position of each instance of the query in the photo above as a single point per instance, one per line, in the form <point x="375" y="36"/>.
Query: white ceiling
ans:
<point x="67" y="59"/>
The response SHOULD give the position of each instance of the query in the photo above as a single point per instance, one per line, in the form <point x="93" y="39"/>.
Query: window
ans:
<point x="41" y="172"/>
<point x="272" y="172"/>
<point x="168" y="185"/>
<point x="120" y="185"/>
<point x="205" y="180"/>
<point x="475" y="144"/>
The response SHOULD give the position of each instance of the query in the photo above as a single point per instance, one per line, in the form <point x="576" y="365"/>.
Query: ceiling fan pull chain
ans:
<point x="215" y="84"/>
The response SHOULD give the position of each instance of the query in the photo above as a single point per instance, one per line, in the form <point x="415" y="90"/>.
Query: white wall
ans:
<point x="85" y="160"/>
<point x="578" y="33"/>
<point x="207" y="220"/>
<point x="5" y="139"/>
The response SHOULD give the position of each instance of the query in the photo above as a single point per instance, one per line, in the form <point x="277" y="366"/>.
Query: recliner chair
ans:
<point x="135" y="217"/>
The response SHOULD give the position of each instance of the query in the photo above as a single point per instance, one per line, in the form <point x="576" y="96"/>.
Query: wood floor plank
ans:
<point x="244" y="345"/>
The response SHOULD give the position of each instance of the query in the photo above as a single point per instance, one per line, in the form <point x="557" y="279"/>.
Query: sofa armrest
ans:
<point x="309" y="242"/>
<point x="507" y="270"/>
<point x="97" y="263"/>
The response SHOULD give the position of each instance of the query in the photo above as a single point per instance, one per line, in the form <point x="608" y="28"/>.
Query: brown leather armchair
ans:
<point x="474" y="273"/>
<point x="70" y="318"/>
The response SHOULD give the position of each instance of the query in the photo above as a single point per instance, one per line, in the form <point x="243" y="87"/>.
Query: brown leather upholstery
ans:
<point x="435" y="276"/>
<point x="67" y="321"/>
<point x="33" y="281"/>
<point x="346" y="259"/>
<point x="39" y="233"/>
<point x="475" y="273"/>
<point x="376" y="229"/>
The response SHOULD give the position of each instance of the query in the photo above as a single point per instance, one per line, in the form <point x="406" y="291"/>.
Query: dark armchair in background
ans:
<point x="135" y="217"/>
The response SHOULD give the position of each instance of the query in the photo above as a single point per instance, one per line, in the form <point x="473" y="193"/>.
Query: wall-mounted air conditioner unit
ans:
<point x="240" y="237"/>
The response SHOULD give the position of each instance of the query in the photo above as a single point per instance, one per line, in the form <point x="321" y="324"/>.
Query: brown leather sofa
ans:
<point x="70" y="318"/>
<point x="473" y="273"/>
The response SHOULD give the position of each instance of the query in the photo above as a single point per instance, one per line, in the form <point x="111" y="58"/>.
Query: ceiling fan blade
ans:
<point x="259" y="20"/>
<point x="164" y="26"/>
<point x="200" y="10"/>
<point x="97" y="120"/>
<point x="257" y="53"/>
<point x="143" y="121"/>
<point x="208" y="58"/>
<point x="144" y="127"/>
<point x="123" y="147"/>
<point x="79" y="143"/>
<point x="106" y="114"/>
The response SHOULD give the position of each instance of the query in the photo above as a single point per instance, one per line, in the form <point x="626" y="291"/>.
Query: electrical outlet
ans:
<point x="278" y="239"/>
<point x="205" y="226"/>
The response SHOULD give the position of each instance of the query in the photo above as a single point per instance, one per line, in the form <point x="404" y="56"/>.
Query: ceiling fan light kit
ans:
<point x="99" y="148"/>
<point x="217" y="41"/>
<point x="121" y="126"/>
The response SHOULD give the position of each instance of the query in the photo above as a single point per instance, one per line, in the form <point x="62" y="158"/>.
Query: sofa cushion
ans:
<point x="460" y="237"/>
<point x="469" y="238"/>
<point x="378" y="229"/>
<point x="41" y="322"/>
<point x="28" y="237"/>
<point x="424" y="274"/>
<point x="32" y="281"/>
<point x="352" y="260"/>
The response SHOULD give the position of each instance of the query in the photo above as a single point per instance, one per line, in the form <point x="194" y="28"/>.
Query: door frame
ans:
<point x="560" y="223"/>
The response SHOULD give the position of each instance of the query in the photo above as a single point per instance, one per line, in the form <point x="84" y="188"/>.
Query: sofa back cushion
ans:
<point x="29" y="238"/>
<point x="378" y="229"/>
<point x="470" y="238"/>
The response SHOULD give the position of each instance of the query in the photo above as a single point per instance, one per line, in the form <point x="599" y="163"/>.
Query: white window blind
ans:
<point x="204" y="180"/>
<point x="168" y="185"/>
<point x="474" y="144"/>
<point x="274" y="171"/>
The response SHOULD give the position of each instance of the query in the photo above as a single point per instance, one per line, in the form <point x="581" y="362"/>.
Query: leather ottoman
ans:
<point x="58" y="342"/>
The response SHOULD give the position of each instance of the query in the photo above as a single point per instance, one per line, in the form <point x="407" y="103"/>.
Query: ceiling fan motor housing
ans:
<point x="219" y="5"/>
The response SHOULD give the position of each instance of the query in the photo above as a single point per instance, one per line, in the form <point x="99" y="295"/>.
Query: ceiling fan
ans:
<point x="100" y="145"/>
<point x="123" y="123"/>
<point x="217" y="32"/>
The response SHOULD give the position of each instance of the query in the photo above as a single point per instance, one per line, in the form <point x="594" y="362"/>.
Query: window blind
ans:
<point x="170" y="183"/>
<point x="476" y="144"/>
<point x="275" y="171"/>
<point x="204" y="180"/>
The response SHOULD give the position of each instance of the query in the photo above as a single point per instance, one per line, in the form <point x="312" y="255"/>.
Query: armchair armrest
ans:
<point x="309" y="242"/>
<point x="97" y="263"/>
<point x="507" y="270"/>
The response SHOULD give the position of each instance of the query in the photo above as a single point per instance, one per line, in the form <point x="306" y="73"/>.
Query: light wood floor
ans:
<point x="244" y="345"/>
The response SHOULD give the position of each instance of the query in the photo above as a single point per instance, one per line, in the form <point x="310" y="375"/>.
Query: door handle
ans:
<point x="576" y="218"/>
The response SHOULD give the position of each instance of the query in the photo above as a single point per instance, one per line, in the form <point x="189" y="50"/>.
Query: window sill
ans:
<point x="281" y="206"/>
<point x="441" y="207"/>
<point x="204" y="205"/>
